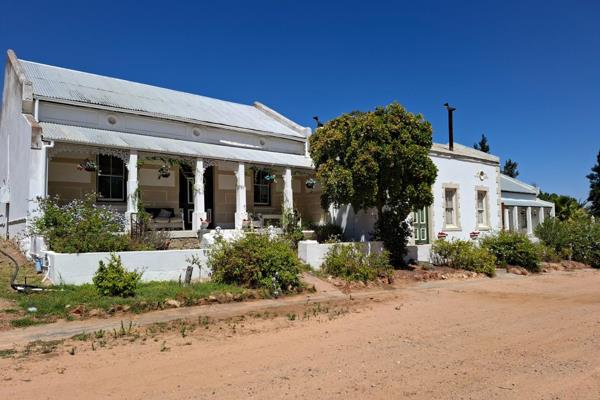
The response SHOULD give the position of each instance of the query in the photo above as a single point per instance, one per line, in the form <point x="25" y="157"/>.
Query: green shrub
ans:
<point x="556" y="234"/>
<point x="256" y="261"/>
<point x="350" y="263"/>
<point x="511" y="248"/>
<point x="328" y="233"/>
<point x="113" y="279"/>
<point x="79" y="226"/>
<point x="292" y="230"/>
<point x="463" y="254"/>
<point x="585" y="241"/>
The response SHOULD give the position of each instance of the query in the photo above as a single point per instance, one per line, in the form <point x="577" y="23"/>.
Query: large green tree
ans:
<point x="377" y="159"/>
<point x="482" y="145"/>
<point x="565" y="207"/>
<point x="511" y="168"/>
<point x="594" y="196"/>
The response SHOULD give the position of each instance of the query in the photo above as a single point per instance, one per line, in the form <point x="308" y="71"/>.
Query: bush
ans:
<point x="328" y="233"/>
<point x="393" y="230"/>
<point x="556" y="234"/>
<point x="350" y="263"/>
<point x="292" y="230"/>
<point x="79" y="226"/>
<point x="256" y="261"/>
<point x="585" y="241"/>
<point x="511" y="248"/>
<point x="463" y="254"/>
<point x="113" y="279"/>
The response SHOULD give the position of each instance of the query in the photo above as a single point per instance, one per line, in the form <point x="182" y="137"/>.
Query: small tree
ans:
<point x="377" y="159"/>
<point x="594" y="196"/>
<point x="511" y="168"/>
<point x="482" y="145"/>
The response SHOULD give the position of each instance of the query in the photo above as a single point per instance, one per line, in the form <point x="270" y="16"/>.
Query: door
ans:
<point x="421" y="226"/>
<point x="186" y="194"/>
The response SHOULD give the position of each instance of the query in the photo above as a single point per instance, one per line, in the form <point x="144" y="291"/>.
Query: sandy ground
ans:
<point x="513" y="337"/>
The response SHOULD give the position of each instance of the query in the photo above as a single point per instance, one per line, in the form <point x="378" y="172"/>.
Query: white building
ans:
<point x="522" y="209"/>
<point x="55" y="122"/>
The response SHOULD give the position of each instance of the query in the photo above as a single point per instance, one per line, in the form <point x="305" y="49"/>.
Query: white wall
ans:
<point x="313" y="253"/>
<point x="159" y="265"/>
<point x="466" y="175"/>
<point x="15" y="143"/>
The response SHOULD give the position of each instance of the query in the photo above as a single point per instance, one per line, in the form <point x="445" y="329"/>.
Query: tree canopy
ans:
<point x="565" y="207"/>
<point x="376" y="159"/>
<point x="482" y="145"/>
<point x="594" y="196"/>
<point x="511" y="168"/>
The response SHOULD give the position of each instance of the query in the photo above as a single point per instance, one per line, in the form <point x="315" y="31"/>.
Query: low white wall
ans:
<point x="158" y="265"/>
<point x="420" y="252"/>
<point x="313" y="253"/>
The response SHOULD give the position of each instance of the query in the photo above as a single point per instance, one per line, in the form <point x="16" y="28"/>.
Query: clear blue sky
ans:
<point x="525" y="73"/>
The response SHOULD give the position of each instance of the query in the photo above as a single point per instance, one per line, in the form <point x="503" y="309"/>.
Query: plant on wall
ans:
<point x="310" y="183"/>
<point x="377" y="159"/>
<point x="269" y="175"/>
<point x="164" y="171"/>
<point x="87" y="165"/>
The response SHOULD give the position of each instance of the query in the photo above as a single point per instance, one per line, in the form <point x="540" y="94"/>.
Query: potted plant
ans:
<point x="87" y="165"/>
<point x="270" y="178"/>
<point x="311" y="183"/>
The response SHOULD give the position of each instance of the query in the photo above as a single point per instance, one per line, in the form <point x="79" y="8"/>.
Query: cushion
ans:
<point x="164" y="213"/>
<point x="161" y="220"/>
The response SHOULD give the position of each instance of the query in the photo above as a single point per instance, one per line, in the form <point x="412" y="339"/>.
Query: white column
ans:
<point x="288" y="192"/>
<point x="38" y="175"/>
<point x="529" y="222"/>
<point x="199" y="213"/>
<point x="240" y="196"/>
<point x="132" y="187"/>
<point x="541" y="217"/>
<point x="552" y="211"/>
<point x="506" y="219"/>
<point x="515" y="211"/>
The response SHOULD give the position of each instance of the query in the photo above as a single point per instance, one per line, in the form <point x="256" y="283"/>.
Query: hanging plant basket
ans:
<point x="87" y="165"/>
<point x="270" y="178"/>
<point x="164" y="171"/>
<point x="311" y="183"/>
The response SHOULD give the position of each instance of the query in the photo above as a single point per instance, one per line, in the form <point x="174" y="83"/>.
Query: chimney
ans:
<point x="450" y="126"/>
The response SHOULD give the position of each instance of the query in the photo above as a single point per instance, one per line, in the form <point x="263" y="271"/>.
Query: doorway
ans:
<point x="186" y="194"/>
<point x="421" y="226"/>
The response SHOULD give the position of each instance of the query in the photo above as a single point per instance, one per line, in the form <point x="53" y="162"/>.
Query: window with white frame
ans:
<point x="450" y="205"/>
<point x="482" y="214"/>
<point x="262" y="188"/>
<point x="110" y="180"/>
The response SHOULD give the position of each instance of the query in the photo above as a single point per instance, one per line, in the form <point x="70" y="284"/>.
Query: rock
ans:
<point x="212" y="299"/>
<point x="95" y="312"/>
<point x="173" y="303"/>
<point x="229" y="296"/>
<point x="77" y="310"/>
<point x="444" y="277"/>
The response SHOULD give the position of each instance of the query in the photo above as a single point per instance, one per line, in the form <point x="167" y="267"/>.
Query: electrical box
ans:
<point x="4" y="194"/>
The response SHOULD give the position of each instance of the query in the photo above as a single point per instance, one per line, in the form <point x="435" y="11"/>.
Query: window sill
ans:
<point x="483" y="228"/>
<point x="452" y="228"/>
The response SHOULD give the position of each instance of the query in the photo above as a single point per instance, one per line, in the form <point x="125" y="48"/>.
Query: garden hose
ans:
<point x="20" y="287"/>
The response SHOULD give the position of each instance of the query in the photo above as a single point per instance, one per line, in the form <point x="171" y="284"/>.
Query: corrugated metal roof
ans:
<point x="65" y="84"/>
<point x="465" y="151"/>
<point x="124" y="140"/>
<point x="526" y="203"/>
<point x="508" y="184"/>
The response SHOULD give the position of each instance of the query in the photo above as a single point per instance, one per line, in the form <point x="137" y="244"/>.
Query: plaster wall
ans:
<point x="163" y="265"/>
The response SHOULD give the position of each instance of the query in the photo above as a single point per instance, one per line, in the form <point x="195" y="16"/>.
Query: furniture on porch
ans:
<point x="165" y="219"/>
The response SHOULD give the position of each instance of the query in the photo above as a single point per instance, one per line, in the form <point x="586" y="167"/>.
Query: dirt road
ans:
<point x="508" y="338"/>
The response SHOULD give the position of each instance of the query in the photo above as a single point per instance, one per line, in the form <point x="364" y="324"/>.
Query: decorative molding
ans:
<point x="86" y="150"/>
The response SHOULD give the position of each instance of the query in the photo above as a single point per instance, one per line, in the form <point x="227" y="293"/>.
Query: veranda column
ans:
<point x="199" y="213"/>
<point x="288" y="193"/>
<point x="132" y="187"/>
<point x="506" y="219"/>
<point x="553" y="211"/>
<point x="515" y="216"/>
<point x="240" y="196"/>
<point x="542" y="217"/>
<point x="529" y="222"/>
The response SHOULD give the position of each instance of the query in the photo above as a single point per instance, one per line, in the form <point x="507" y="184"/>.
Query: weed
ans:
<point x="24" y="322"/>
<point x="7" y="353"/>
<point x="71" y="351"/>
<point x="99" y="334"/>
<point x="163" y="347"/>
<point x="291" y="316"/>
<point x="81" y="336"/>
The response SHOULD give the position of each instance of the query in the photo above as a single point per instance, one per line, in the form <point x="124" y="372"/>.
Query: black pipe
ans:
<point x="20" y="287"/>
<point x="450" y="126"/>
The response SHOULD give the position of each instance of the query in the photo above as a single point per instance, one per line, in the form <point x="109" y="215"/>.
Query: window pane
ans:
<point x="449" y="198"/>
<point x="449" y="216"/>
<point x="116" y="188"/>
<point x="104" y="165"/>
<point x="104" y="187"/>
<point x="480" y="219"/>
<point x="117" y="166"/>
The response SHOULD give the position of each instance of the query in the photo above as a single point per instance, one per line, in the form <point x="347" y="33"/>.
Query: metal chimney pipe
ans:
<point x="450" y="126"/>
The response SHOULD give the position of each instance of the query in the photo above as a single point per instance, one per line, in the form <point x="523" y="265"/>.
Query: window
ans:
<point x="262" y="189"/>
<point x="482" y="217"/>
<point x="450" y="206"/>
<point x="110" y="179"/>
